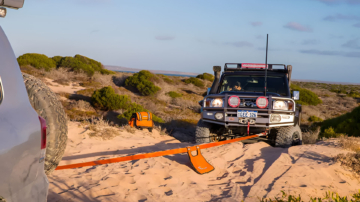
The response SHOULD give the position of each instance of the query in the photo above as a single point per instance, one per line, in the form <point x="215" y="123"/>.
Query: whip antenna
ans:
<point x="266" y="66"/>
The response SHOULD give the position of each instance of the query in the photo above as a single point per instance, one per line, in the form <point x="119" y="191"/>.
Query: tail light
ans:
<point x="43" y="138"/>
<point x="262" y="102"/>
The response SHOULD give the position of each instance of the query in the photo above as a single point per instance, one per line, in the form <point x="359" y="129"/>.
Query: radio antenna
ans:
<point x="266" y="65"/>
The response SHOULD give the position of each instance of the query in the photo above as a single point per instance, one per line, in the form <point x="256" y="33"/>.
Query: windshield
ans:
<point x="254" y="83"/>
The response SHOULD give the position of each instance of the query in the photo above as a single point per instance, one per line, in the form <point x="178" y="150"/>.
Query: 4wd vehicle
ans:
<point x="33" y="128"/>
<point x="238" y="105"/>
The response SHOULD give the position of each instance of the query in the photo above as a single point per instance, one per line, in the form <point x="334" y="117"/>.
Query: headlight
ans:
<point x="280" y="105"/>
<point x="216" y="103"/>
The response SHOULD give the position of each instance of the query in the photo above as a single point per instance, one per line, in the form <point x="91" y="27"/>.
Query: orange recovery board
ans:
<point x="199" y="163"/>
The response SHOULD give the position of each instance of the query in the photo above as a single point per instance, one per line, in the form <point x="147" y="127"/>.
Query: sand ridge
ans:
<point x="242" y="172"/>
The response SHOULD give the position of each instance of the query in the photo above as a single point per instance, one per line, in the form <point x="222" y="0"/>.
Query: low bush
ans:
<point x="348" y="123"/>
<point x="90" y="83"/>
<point x="315" y="119"/>
<point x="80" y="63"/>
<point x="86" y="92"/>
<point x="79" y="115"/>
<point x="57" y="60"/>
<point x="174" y="94"/>
<point x="39" y="61"/>
<point x="351" y="160"/>
<point x="206" y="76"/>
<point x="197" y="82"/>
<point x="106" y="99"/>
<point x="329" y="196"/>
<point x="142" y="81"/>
<point x="307" y="97"/>
<point x="166" y="79"/>
<point x="133" y="108"/>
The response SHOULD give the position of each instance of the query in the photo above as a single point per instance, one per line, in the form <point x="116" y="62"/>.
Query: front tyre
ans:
<point x="203" y="132"/>
<point x="288" y="136"/>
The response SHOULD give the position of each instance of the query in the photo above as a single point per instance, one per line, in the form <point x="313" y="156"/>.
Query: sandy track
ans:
<point x="241" y="172"/>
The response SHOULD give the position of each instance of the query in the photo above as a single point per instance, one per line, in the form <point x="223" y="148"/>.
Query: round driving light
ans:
<point x="275" y="118"/>
<point x="219" y="116"/>
<point x="234" y="101"/>
<point x="217" y="103"/>
<point x="262" y="102"/>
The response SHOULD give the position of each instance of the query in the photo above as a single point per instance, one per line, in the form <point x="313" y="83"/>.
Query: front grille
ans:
<point x="248" y="102"/>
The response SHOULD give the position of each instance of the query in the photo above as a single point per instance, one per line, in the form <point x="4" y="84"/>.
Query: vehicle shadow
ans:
<point x="73" y="191"/>
<point x="163" y="145"/>
<point x="269" y="155"/>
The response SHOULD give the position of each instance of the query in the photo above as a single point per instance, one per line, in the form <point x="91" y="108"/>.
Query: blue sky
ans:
<point x="320" y="38"/>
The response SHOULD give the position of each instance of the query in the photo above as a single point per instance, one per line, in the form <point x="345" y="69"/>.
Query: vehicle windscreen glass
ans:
<point x="254" y="83"/>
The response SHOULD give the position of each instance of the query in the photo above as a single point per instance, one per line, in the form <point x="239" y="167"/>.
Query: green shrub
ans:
<point x="57" y="60"/>
<point x="76" y="65"/>
<point x="348" y="123"/>
<point x="81" y="63"/>
<point x="197" y="82"/>
<point x="133" y="108"/>
<point x="142" y="82"/>
<point x="206" y="76"/>
<point x="307" y="97"/>
<point x="168" y="80"/>
<point x="174" y="94"/>
<point x="106" y="98"/>
<point x="86" y="92"/>
<point x="329" y="196"/>
<point x="39" y="61"/>
<point x="315" y="119"/>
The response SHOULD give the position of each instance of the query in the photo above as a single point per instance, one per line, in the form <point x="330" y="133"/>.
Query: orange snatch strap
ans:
<point x="151" y="155"/>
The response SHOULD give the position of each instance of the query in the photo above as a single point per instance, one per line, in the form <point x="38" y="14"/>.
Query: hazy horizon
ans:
<point x="319" y="38"/>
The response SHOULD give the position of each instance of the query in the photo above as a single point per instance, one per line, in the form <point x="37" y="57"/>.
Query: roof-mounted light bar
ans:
<point x="15" y="4"/>
<point x="253" y="66"/>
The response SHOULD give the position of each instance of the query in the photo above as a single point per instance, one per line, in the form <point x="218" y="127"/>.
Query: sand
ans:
<point x="58" y="88"/>
<point x="242" y="172"/>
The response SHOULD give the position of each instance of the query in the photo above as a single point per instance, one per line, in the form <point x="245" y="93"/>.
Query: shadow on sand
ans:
<point x="268" y="155"/>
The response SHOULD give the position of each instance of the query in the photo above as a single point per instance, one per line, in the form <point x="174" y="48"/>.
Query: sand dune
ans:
<point x="242" y="172"/>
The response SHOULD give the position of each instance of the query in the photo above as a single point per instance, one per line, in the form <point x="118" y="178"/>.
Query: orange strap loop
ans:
<point x="151" y="155"/>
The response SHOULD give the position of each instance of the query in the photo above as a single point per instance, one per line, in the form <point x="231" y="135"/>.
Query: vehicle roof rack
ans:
<point x="252" y="67"/>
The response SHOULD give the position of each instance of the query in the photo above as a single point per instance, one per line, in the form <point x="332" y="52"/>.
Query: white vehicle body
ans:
<point x="22" y="176"/>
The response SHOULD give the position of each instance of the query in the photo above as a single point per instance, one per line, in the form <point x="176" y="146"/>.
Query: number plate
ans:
<point x="246" y="114"/>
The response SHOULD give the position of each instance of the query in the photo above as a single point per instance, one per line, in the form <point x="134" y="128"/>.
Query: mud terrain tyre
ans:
<point x="288" y="136"/>
<point x="203" y="132"/>
<point x="46" y="104"/>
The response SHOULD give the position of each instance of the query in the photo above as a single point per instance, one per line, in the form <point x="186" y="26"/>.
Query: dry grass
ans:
<point x="63" y="94"/>
<point x="38" y="73"/>
<point x="310" y="134"/>
<point x="350" y="143"/>
<point x="86" y="92"/>
<point x="81" y="105"/>
<point x="129" y="129"/>
<point x="351" y="159"/>
<point x="162" y="131"/>
<point x="119" y="78"/>
<point x="101" y="128"/>
<point x="64" y="75"/>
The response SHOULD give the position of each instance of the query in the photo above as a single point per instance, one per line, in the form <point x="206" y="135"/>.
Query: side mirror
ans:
<point x="208" y="91"/>
<point x="296" y="95"/>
